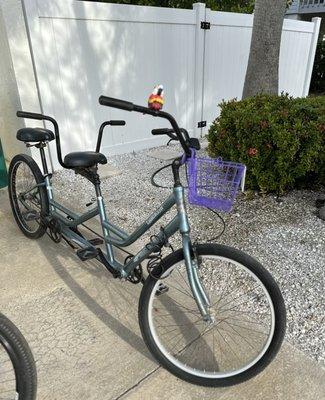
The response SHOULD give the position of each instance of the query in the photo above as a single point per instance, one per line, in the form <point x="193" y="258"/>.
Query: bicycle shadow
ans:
<point x="126" y="333"/>
<point x="114" y="305"/>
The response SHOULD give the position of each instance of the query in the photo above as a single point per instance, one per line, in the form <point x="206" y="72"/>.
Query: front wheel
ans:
<point x="247" y="310"/>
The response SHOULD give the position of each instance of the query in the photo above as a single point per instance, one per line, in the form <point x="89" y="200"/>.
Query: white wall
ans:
<point x="9" y="98"/>
<point x="82" y="49"/>
<point x="18" y="79"/>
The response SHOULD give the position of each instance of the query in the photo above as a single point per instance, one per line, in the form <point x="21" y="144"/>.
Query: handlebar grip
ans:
<point x="165" y="131"/>
<point x="26" y="114"/>
<point x="115" y="103"/>
<point x="117" y="122"/>
<point x="162" y="131"/>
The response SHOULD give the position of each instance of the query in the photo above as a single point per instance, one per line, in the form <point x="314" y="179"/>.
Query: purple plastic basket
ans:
<point x="213" y="182"/>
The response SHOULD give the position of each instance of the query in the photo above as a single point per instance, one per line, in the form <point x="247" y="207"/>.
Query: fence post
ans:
<point x="199" y="8"/>
<point x="311" y="56"/>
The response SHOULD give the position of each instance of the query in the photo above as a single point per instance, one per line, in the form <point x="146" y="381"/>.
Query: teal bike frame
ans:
<point x="112" y="234"/>
<point x="115" y="236"/>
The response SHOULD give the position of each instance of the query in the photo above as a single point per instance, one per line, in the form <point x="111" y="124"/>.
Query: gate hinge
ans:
<point x="205" y="25"/>
<point x="202" y="124"/>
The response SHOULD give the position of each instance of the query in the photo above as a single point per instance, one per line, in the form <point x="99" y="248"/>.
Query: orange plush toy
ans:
<point x="156" y="99"/>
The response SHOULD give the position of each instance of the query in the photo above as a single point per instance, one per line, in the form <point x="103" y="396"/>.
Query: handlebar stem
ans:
<point x="100" y="135"/>
<point x="172" y="121"/>
<point x="177" y="130"/>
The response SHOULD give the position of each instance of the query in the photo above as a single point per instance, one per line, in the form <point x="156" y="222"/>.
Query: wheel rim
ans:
<point x="25" y="195"/>
<point x="242" y="330"/>
<point x="8" y="377"/>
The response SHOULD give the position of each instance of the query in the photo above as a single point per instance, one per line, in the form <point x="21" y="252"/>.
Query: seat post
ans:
<point x="41" y="146"/>
<point x="102" y="214"/>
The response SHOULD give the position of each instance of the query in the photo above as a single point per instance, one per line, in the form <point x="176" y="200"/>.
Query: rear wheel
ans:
<point x="28" y="197"/>
<point x="247" y="310"/>
<point x="17" y="366"/>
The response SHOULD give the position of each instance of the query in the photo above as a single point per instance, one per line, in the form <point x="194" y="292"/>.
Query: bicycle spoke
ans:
<point x="186" y="294"/>
<point x="186" y="283"/>
<point x="225" y="340"/>
<point x="236" y="334"/>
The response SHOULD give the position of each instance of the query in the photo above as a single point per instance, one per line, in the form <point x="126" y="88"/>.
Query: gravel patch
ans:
<point x="285" y="236"/>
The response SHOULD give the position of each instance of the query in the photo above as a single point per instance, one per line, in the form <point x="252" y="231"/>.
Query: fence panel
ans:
<point x="84" y="49"/>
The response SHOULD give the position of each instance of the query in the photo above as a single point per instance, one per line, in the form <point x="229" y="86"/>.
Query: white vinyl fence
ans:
<point x="81" y="50"/>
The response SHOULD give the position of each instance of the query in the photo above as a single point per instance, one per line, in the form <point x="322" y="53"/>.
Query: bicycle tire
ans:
<point x="257" y="269"/>
<point x="44" y="204"/>
<point x="17" y="348"/>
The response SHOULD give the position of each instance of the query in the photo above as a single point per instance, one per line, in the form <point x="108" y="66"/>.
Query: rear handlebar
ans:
<point x="25" y="114"/>
<point x="31" y="115"/>
<point x="101" y="130"/>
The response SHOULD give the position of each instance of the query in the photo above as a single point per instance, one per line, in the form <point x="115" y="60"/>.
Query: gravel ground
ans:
<point x="285" y="236"/>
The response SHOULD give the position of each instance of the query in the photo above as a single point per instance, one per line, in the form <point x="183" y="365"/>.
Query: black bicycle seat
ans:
<point x="34" y="135"/>
<point x="84" y="159"/>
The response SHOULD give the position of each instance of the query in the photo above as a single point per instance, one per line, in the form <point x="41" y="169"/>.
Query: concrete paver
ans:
<point x="291" y="376"/>
<point x="107" y="171"/>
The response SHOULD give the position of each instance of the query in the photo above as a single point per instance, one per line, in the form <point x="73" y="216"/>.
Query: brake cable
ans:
<point x="155" y="184"/>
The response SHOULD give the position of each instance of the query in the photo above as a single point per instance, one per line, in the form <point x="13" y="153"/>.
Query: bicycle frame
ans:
<point x="115" y="236"/>
<point x="112" y="234"/>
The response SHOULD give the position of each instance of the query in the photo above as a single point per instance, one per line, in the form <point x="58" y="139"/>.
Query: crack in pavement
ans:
<point x="137" y="384"/>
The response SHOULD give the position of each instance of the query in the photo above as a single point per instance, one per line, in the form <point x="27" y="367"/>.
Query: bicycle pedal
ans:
<point x="31" y="215"/>
<point x="96" y="241"/>
<point x="161" y="289"/>
<point x="87" y="253"/>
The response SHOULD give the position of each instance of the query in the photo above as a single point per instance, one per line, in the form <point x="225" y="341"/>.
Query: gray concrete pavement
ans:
<point x="82" y="327"/>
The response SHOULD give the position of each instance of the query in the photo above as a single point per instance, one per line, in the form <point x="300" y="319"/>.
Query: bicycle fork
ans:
<point x="200" y="296"/>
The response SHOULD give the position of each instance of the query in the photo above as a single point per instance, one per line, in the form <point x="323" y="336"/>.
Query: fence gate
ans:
<point x="227" y="44"/>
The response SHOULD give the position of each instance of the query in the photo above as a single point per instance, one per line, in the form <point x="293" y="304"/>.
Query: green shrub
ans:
<point x="280" y="139"/>
<point x="239" y="6"/>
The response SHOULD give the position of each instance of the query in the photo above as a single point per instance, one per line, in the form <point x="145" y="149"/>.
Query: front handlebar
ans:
<point x="165" y="131"/>
<point x="171" y="133"/>
<point x="126" y="105"/>
<point x="116" y="103"/>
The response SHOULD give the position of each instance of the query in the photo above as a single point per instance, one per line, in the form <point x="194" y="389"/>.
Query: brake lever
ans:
<point x="170" y="140"/>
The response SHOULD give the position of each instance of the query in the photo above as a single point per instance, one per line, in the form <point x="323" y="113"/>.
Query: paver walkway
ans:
<point x="82" y="327"/>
